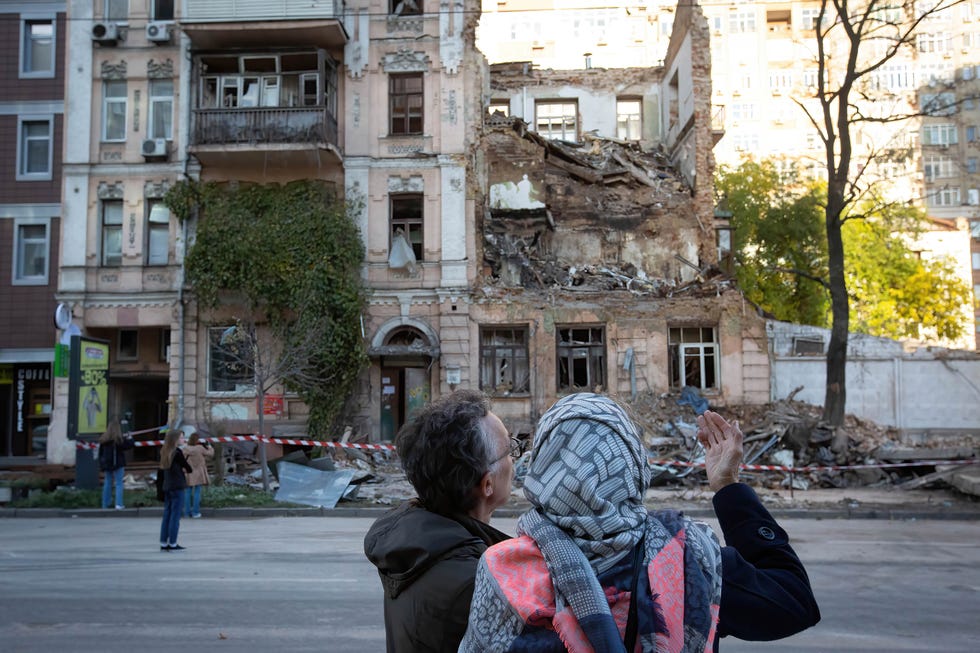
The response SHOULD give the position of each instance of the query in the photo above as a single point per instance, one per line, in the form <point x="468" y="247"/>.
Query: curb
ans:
<point x="885" y="513"/>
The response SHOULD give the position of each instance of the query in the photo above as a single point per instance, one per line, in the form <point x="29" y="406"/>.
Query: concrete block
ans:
<point x="967" y="482"/>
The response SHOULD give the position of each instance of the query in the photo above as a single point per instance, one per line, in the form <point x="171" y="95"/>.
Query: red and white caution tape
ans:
<point x="255" y="438"/>
<point x="824" y="468"/>
<point x="663" y="463"/>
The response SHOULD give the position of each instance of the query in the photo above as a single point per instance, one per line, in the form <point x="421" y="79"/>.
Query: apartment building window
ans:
<point x="809" y="18"/>
<point x="971" y="134"/>
<point x="557" y="119"/>
<point x="34" y="148"/>
<point x="111" y="225"/>
<point x="37" y="48"/>
<point x="116" y="10"/>
<point x="743" y="111"/>
<point x="938" y="104"/>
<point x="405" y="7"/>
<point x="405" y="98"/>
<point x="937" y="42"/>
<point x="128" y="347"/>
<point x="157" y="233"/>
<point x="162" y="9"/>
<point x="937" y="166"/>
<point x="629" y="119"/>
<point x="939" y="134"/>
<point x="948" y="196"/>
<point x="971" y="165"/>
<point x="741" y="22"/>
<point x="504" y="368"/>
<point x="407" y="221"/>
<point x="976" y="260"/>
<point x="780" y="80"/>
<point x="114" y="111"/>
<point x="894" y="77"/>
<point x="581" y="354"/>
<point x="973" y="196"/>
<point x="31" y="247"/>
<point x="976" y="296"/>
<point x="229" y="369"/>
<point x="692" y="354"/>
<point x="161" y="117"/>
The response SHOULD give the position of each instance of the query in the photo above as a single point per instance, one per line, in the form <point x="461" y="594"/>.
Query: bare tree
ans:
<point x="854" y="41"/>
<point x="272" y="357"/>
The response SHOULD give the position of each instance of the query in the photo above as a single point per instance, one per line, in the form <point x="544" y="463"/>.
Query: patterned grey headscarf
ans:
<point x="587" y="476"/>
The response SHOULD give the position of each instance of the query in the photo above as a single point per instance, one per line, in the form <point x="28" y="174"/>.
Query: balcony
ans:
<point x="245" y="136"/>
<point x="222" y="24"/>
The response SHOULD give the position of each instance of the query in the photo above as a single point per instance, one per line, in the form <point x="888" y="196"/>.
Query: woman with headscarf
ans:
<point x="593" y="570"/>
<point x="174" y="468"/>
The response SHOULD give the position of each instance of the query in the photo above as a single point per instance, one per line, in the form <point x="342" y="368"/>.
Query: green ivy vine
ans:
<point x="292" y="254"/>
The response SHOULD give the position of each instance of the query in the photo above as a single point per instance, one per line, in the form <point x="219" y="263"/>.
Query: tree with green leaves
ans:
<point x="855" y="41"/>
<point x="782" y="262"/>
<point x="286" y="257"/>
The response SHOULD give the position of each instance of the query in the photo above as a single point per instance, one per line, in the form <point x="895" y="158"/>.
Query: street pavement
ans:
<point x="302" y="584"/>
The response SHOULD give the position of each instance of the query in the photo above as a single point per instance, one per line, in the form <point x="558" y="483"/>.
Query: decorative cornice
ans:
<point x="405" y="24"/>
<point x="109" y="191"/>
<point x="162" y="70"/>
<point x="113" y="71"/>
<point x="155" y="190"/>
<point x="412" y="184"/>
<point x="406" y="61"/>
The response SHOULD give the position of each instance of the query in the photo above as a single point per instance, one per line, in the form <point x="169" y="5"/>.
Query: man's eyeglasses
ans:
<point x="515" y="450"/>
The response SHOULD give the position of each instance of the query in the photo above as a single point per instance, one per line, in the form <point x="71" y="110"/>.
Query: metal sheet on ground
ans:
<point x="311" y="487"/>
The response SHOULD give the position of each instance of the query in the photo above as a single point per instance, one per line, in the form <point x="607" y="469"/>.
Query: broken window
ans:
<point x="628" y="119"/>
<point x="500" y="106"/>
<point x="557" y="120"/>
<point x="581" y="353"/>
<point x="229" y="360"/>
<point x="405" y="103"/>
<point x="693" y="357"/>
<point x="405" y="7"/>
<point x="673" y="102"/>
<point x="406" y="221"/>
<point x="504" y="360"/>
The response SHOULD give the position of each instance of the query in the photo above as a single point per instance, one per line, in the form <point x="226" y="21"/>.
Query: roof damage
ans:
<point x="597" y="216"/>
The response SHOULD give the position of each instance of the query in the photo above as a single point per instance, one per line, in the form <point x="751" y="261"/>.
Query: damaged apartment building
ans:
<point x="599" y="248"/>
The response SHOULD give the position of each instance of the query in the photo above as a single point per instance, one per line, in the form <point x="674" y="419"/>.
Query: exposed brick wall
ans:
<point x="27" y="316"/>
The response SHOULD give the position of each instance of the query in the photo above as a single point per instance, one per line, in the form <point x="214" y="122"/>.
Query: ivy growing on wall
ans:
<point x="291" y="255"/>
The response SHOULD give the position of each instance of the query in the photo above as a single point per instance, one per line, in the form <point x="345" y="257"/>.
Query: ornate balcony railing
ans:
<point x="264" y="126"/>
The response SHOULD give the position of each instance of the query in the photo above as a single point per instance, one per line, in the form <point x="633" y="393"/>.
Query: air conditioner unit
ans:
<point x="153" y="147"/>
<point x="159" y="32"/>
<point x="105" y="33"/>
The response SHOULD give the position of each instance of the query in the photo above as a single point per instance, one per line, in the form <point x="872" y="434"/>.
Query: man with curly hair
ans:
<point x="457" y="456"/>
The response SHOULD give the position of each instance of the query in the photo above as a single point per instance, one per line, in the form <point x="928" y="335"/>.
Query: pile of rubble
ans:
<point x="786" y="433"/>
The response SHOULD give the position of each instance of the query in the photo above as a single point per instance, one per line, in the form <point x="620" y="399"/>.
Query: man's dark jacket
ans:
<point x="427" y="563"/>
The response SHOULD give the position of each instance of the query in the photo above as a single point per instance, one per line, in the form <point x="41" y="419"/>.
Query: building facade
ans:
<point x="31" y="124"/>
<point x="764" y="64"/>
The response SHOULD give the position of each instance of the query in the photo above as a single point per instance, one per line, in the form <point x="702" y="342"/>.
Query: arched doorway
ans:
<point x="405" y="356"/>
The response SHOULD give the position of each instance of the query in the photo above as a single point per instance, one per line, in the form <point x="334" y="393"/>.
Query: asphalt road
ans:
<point x="302" y="584"/>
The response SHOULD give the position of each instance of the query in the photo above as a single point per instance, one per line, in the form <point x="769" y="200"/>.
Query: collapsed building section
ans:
<point x="597" y="243"/>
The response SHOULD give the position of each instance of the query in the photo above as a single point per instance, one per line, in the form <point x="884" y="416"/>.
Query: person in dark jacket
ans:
<point x="457" y="456"/>
<point x="593" y="570"/>
<point x="174" y="468"/>
<point x="112" y="461"/>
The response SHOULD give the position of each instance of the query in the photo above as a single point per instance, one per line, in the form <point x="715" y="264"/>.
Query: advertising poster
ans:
<point x="88" y="390"/>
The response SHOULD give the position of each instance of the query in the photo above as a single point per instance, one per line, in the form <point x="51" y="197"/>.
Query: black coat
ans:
<point x="427" y="563"/>
<point x="112" y="455"/>
<point x="173" y="476"/>
<point x="765" y="592"/>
